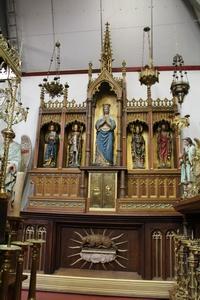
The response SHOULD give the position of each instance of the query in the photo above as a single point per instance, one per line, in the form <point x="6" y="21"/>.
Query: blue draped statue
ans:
<point x="51" y="147"/>
<point x="105" y="127"/>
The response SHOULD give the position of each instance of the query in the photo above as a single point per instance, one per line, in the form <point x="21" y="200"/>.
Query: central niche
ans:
<point x="105" y="127"/>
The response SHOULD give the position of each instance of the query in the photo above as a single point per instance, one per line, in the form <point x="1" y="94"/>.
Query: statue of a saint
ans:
<point x="105" y="127"/>
<point x="75" y="147"/>
<point x="51" y="150"/>
<point x="138" y="147"/>
<point x="164" y="146"/>
<point x="186" y="163"/>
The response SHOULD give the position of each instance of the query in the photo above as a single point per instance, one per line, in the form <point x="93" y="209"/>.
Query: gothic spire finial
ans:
<point x="106" y="56"/>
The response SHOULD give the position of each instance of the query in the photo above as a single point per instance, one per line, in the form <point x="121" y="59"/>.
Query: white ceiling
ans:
<point x="77" y="25"/>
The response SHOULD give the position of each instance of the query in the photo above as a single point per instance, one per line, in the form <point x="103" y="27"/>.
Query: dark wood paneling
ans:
<point x="129" y="239"/>
<point x="136" y="230"/>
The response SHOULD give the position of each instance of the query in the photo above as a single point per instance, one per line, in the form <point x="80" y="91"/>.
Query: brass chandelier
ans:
<point x="180" y="85"/>
<point x="148" y="75"/>
<point x="53" y="87"/>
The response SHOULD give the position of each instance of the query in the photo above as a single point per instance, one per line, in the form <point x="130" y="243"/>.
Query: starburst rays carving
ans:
<point x="104" y="248"/>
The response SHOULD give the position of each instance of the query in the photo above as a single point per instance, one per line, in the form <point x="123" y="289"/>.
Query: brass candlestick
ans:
<point x="19" y="270"/>
<point x="36" y="244"/>
<point x="7" y="251"/>
<point x="12" y="113"/>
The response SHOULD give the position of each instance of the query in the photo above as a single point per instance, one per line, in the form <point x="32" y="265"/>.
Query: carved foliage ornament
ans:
<point x="10" y="56"/>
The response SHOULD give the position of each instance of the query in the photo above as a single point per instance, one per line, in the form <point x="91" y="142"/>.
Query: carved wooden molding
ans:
<point x="47" y="118"/>
<point x="75" y="117"/>
<point x="105" y="76"/>
<point x="131" y="117"/>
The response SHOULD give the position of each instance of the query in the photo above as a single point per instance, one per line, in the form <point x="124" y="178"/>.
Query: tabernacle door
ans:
<point x="102" y="190"/>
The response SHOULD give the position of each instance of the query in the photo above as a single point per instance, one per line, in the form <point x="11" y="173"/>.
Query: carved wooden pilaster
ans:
<point x="88" y="133"/>
<point x="36" y="150"/>
<point x="178" y="147"/>
<point x="119" y="125"/>
<point x="124" y="117"/>
<point x="150" y="141"/>
<point x="122" y="184"/>
<point x="61" y="146"/>
<point x="82" y="184"/>
<point x="93" y="133"/>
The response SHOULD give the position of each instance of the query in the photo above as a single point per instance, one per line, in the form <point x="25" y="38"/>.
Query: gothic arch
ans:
<point x="105" y="76"/>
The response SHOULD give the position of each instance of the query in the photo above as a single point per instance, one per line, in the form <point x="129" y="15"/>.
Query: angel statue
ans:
<point x="196" y="169"/>
<point x="19" y="156"/>
<point x="187" y="160"/>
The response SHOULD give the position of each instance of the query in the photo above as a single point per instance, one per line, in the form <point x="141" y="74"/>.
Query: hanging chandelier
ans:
<point x="180" y="85"/>
<point x="53" y="87"/>
<point x="148" y="75"/>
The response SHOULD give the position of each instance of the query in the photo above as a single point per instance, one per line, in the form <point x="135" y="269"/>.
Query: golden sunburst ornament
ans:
<point x="98" y="248"/>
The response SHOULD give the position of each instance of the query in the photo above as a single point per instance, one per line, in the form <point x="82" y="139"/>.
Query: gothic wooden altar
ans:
<point x="112" y="179"/>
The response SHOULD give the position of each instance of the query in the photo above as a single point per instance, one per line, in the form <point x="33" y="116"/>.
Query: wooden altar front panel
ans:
<point x="129" y="255"/>
<point x="139" y="235"/>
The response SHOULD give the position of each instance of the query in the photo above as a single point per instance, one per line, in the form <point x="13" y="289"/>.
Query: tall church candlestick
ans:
<point x="20" y="265"/>
<point x="36" y="244"/>
<point x="12" y="114"/>
<point x="7" y="251"/>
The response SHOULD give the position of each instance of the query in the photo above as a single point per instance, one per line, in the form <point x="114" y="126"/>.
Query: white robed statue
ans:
<point x="18" y="160"/>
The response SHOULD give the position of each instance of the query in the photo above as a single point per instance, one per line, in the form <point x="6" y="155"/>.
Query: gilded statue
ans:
<point x="164" y="146"/>
<point x="138" y="147"/>
<point x="105" y="127"/>
<point x="75" y="146"/>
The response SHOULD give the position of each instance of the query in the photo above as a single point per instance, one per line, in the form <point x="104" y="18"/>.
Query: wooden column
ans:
<point x="88" y="132"/>
<point x="37" y="142"/>
<point x="119" y="125"/>
<point x="124" y="117"/>
<point x="82" y="185"/>
<point x="178" y="149"/>
<point x="60" y="163"/>
<point x="122" y="184"/>
<point x="150" y="140"/>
